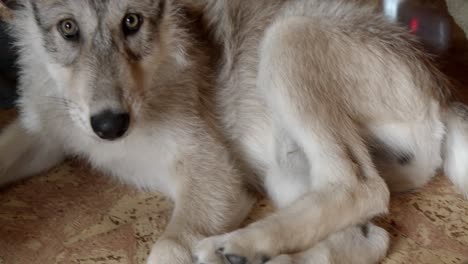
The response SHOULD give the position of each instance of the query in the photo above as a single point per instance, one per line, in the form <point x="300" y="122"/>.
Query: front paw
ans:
<point x="206" y="252"/>
<point x="234" y="248"/>
<point x="167" y="251"/>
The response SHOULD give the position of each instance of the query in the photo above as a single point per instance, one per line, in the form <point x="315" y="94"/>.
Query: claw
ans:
<point x="233" y="259"/>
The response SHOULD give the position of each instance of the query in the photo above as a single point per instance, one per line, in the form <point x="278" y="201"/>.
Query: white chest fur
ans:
<point x="144" y="160"/>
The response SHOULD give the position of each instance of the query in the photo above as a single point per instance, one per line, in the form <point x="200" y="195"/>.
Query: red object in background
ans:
<point x="414" y="25"/>
<point x="431" y="26"/>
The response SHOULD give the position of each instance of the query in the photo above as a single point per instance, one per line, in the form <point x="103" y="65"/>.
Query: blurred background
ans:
<point x="442" y="26"/>
<point x="8" y="72"/>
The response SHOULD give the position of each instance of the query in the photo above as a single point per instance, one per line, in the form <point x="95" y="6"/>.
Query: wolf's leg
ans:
<point x="23" y="154"/>
<point x="363" y="244"/>
<point x="211" y="199"/>
<point x="408" y="154"/>
<point x="345" y="189"/>
<point x="331" y="206"/>
<point x="456" y="147"/>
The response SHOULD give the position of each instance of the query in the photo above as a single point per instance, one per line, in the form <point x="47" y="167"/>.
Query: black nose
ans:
<point x="109" y="125"/>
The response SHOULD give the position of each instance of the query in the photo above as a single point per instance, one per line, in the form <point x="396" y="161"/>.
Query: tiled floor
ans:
<point x="72" y="215"/>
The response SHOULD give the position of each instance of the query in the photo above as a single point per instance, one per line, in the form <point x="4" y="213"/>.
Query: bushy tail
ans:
<point x="456" y="147"/>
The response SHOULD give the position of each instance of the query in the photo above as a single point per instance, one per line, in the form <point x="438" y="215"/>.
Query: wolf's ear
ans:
<point x="6" y="13"/>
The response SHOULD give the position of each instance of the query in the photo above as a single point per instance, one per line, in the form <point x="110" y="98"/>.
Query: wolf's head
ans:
<point x="104" y="56"/>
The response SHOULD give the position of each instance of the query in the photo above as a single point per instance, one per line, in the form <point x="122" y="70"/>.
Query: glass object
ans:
<point x="429" y="23"/>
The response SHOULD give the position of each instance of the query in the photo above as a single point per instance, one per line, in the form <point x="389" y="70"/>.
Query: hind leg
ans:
<point x="345" y="192"/>
<point x="343" y="186"/>
<point x="408" y="154"/>
<point x="363" y="244"/>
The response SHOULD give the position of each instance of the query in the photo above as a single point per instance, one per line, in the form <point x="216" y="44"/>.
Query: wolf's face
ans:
<point x="103" y="55"/>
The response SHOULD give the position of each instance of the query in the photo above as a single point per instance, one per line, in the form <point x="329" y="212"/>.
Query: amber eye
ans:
<point x="132" y="23"/>
<point x="69" y="29"/>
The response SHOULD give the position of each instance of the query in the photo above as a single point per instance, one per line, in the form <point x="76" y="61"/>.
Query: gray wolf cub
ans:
<point x="324" y="105"/>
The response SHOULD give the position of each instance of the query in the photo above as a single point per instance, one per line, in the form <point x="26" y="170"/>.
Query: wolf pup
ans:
<point x="323" y="104"/>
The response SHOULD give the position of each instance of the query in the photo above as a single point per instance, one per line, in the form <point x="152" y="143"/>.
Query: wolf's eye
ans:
<point x="132" y="23"/>
<point x="69" y="29"/>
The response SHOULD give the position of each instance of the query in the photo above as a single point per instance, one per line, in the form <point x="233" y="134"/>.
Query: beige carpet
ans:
<point x="71" y="215"/>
